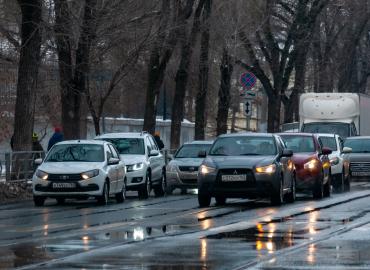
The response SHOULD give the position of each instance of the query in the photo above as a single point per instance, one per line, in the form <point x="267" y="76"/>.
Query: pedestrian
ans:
<point x="36" y="146"/>
<point x="57" y="137"/>
<point x="158" y="140"/>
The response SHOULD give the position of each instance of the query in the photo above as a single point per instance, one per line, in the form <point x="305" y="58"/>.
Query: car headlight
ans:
<point x="41" y="174"/>
<point x="204" y="169"/>
<point x="266" y="169"/>
<point x="171" y="167"/>
<point x="334" y="161"/>
<point x="89" y="174"/>
<point x="311" y="165"/>
<point x="135" y="167"/>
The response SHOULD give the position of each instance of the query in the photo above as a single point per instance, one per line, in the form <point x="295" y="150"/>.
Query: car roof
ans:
<point x="295" y="134"/>
<point x="122" y="135"/>
<point x="199" y="142"/>
<point x="82" y="142"/>
<point x="359" y="138"/>
<point x="247" y="134"/>
<point x="326" y="135"/>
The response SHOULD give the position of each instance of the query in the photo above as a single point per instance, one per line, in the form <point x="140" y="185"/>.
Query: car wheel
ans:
<point x="347" y="183"/>
<point x="204" y="197"/>
<point x="318" y="189"/>
<point x="61" y="201"/>
<point x="103" y="199"/>
<point x="220" y="200"/>
<point x="277" y="196"/>
<point x="184" y="191"/>
<point x="146" y="188"/>
<point x="160" y="190"/>
<point x="169" y="190"/>
<point x="121" y="196"/>
<point x="39" y="200"/>
<point x="327" y="187"/>
<point x="291" y="196"/>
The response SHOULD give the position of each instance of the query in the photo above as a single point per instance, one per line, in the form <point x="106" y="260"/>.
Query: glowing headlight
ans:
<point x="135" y="167"/>
<point x="41" y="174"/>
<point x="311" y="165"/>
<point x="334" y="161"/>
<point x="266" y="169"/>
<point x="204" y="169"/>
<point x="89" y="174"/>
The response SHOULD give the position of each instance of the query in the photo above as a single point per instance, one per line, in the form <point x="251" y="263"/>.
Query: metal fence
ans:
<point x="18" y="166"/>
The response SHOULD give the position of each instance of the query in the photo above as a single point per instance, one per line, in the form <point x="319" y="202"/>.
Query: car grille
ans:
<point x="64" y="177"/>
<point x="190" y="181"/>
<point x="360" y="166"/>
<point x="188" y="168"/>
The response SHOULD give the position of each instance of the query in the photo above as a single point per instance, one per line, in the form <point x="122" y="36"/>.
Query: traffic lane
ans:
<point x="172" y="233"/>
<point x="228" y="249"/>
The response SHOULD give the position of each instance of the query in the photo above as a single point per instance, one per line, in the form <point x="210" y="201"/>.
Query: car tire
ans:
<point x="318" y="189"/>
<point x="146" y="188"/>
<point x="103" y="199"/>
<point x="220" y="200"/>
<point x="160" y="189"/>
<point x="277" y="196"/>
<point x="204" y="200"/>
<point x="327" y="187"/>
<point x="291" y="196"/>
<point x="121" y="196"/>
<point x="61" y="201"/>
<point x="39" y="200"/>
<point x="184" y="191"/>
<point x="347" y="183"/>
<point x="338" y="182"/>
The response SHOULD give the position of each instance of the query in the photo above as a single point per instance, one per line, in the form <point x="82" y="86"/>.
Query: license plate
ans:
<point x="361" y="173"/>
<point x="64" y="185"/>
<point x="234" y="178"/>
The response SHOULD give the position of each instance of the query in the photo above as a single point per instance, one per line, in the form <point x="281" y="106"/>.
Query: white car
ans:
<point x="80" y="169"/>
<point x="145" y="165"/>
<point x="338" y="162"/>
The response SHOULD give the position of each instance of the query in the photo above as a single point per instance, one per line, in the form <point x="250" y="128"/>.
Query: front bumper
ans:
<point x="135" y="179"/>
<point x="84" y="188"/>
<point x="257" y="185"/>
<point x="182" y="179"/>
<point x="306" y="179"/>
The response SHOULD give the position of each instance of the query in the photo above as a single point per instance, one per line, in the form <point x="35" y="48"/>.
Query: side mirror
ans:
<point x="287" y="153"/>
<point x="113" y="161"/>
<point x="38" y="161"/>
<point x="153" y="153"/>
<point x="347" y="150"/>
<point x="202" y="154"/>
<point x="326" y="151"/>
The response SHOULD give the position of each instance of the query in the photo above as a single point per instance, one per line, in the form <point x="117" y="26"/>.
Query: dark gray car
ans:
<point x="247" y="165"/>
<point x="357" y="151"/>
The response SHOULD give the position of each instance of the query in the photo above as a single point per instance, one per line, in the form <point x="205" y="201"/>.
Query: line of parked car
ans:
<point x="240" y="165"/>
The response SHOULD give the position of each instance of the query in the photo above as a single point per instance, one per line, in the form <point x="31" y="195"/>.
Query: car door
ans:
<point x="120" y="169"/>
<point x="111" y="171"/>
<point x="155" y="161"/>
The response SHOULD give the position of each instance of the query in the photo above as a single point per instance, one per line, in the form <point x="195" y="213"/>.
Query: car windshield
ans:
<point x="243" y="145"/>
<point x="192" y="150"/>
<point x="128" y="146"/>
<point x="329" y="142"/>
<point x="76" y="153"/>
<point x="342" y="129"/>
<point x="358" y="145"/>
<point x="299" y="144"/>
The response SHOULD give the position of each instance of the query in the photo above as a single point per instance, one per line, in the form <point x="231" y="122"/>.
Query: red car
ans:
<point x="311" y="162"/>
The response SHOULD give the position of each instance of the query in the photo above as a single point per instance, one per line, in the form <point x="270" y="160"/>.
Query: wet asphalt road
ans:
<point x="172" y="233"/>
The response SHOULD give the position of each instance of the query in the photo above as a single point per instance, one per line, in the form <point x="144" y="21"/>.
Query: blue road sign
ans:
<point x="248" y="80"/>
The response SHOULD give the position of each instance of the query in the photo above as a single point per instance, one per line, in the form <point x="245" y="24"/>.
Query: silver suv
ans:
<point x="145" y="164"/>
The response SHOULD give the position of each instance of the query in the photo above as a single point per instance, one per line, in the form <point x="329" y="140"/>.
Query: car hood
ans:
<point x="240" y="161"/>
<point x="132" y="159"/>
<point x="299" y="158"/>
<point x="187" y="161"/>
<point x="359" y="157"/>
<point x="69" y="167"/>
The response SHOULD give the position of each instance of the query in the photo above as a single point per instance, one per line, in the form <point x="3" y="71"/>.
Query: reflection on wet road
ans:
<point x="173" y="233"/>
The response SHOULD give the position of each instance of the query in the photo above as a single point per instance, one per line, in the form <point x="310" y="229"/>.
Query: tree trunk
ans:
<point x="273" y="116"/>
<point x="182" y="76"/>
<point x="224" y="93"/>
<point x="200" y="103"/>
<point x="29" y="62"/>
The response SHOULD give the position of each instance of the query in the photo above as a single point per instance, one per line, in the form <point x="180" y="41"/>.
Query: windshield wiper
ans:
<point x="218" y="155"/>
<point x="250" y="154"/>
